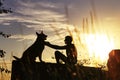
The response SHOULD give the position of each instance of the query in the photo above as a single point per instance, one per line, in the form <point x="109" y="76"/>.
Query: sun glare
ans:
<point x="98" y="46"/>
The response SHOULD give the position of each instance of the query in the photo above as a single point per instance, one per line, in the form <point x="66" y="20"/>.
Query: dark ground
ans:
<point x="53" y="71"/>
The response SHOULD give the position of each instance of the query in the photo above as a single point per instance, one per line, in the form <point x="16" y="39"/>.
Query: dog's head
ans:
<point x="41" y="35"/>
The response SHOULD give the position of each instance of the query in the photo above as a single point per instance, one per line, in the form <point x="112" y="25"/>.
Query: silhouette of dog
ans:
<point x="35" y="50"/>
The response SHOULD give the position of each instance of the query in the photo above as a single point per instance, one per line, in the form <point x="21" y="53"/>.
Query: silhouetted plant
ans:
<point x="1" y="3"/>
<point x="4" y="70"/>
<point x="5" y="35"/>
<point x="3" y="10"/>
<point x="2" y="53"/>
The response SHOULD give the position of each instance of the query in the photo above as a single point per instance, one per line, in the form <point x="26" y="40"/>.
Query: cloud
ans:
<point x="30" y="16"/>
<point x="16" y="27"/>
<point x="24" y="37"/>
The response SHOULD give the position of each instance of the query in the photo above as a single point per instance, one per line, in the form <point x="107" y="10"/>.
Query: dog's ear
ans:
<point x="37" y="33"/>
<point x="41" y="32"/>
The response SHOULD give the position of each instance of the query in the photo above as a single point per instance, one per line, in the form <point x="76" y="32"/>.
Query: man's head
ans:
<point x="68" y="39"/>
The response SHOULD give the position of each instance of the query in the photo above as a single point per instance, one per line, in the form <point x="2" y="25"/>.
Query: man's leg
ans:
<point x="59" y="55"/>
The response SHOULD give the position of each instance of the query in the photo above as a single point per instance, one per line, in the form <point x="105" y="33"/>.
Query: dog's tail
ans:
<point x="16" y="58"/>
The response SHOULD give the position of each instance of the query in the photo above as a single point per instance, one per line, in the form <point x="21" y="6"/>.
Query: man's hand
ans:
<point x="47" y="43"/>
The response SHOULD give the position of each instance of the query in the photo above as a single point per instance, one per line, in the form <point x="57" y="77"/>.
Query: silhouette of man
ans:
<point x="71" y="52"/>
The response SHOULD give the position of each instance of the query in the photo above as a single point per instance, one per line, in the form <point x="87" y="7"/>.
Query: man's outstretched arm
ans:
<point x="54" y="46"/>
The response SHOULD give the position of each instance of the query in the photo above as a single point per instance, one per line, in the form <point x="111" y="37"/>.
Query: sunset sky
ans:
<point x="53" y="17"/>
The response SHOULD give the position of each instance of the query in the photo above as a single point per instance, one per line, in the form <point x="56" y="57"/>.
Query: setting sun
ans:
<point x="99" y="45"/>
<point x="95" y="46"/>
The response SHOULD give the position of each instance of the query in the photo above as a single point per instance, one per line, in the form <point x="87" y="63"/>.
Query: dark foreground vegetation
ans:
<point x="53" y="71"/>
